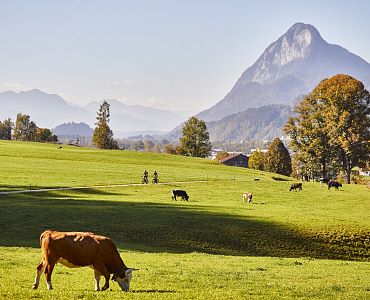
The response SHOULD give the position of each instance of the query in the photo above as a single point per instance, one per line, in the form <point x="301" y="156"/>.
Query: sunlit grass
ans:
<point x="283" y="245"/>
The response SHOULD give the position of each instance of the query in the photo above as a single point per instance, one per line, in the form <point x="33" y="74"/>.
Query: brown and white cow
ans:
<point x="80" y="249"/>
<point x="247" y="196"/>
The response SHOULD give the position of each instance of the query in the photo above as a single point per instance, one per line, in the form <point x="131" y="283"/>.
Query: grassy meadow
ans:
<point x="284" y="245"/>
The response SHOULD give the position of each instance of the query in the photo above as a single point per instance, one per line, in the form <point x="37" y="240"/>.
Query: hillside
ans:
<point x="289" y="68"/>
<point x="286" y="240"/>
<point x="263" y="123"/>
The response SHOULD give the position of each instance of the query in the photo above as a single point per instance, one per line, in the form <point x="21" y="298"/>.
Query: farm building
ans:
<point x="236" y="160"/>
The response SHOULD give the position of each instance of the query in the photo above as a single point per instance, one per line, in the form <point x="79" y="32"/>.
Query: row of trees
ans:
<point x="277" y="159"/>
<point x="331" y="128"/>
<point x="194" y="141"/>
<point x="25" y="130"/>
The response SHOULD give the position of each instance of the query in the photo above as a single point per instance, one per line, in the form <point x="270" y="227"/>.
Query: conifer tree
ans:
<point x="103" y="135"/>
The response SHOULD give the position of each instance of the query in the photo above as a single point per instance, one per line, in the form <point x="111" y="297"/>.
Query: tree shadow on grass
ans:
<point x="155" y="227"/>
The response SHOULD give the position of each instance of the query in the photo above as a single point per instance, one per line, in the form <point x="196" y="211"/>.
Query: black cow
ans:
<point x="334" y="184"/>
<point x="179" y="193"/>
<point x="295" y="186"/>
<point x="324" y="180"/>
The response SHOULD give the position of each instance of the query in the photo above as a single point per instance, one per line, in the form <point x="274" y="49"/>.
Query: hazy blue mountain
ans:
<point x="289" y="68"/>
<point x="73" y="129"/>
<point x="50" y="110"/>
<point x="47" y="110"/>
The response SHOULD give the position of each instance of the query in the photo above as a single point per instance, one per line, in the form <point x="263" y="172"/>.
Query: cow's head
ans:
<point x="124" y="279"/>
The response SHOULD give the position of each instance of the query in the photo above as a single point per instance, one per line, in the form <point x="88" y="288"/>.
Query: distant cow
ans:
<point x="324" y="180"/>
<point x="247" y="196"/>
<point x="334" y="184"/>
<point x="80" y="249"/>
<point x="180" y="193"/>
<point x="296" y="186"/>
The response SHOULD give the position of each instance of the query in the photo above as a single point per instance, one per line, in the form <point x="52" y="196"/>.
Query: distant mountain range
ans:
<point x="289" y="68"/>
<point x="256" y="108"/>
<point x="50" y="110"/>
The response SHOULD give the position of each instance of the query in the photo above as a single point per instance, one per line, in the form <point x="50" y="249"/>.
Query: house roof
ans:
<point x="230" y="157"/>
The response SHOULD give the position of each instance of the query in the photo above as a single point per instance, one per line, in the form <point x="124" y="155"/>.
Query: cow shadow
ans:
<point x="156" y="227"/>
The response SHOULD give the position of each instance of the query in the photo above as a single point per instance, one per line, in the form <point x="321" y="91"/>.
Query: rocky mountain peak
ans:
<point x="296" y="44"/>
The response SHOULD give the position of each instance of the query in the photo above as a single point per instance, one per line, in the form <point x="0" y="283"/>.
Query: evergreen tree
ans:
<point x="103" y="135"/>
<point x="278" y="159"/>
<point x="257" y="161"/>
<point x="195" y="138"/>
<point x="6" y="127"/>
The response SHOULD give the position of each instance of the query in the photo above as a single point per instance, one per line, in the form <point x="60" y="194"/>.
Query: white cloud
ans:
<point x="150" y="102"/>
<point x="123" y="83"/>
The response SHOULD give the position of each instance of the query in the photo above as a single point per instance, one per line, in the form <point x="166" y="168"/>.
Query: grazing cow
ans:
<point x="296" y="186"/>
<point x="334" y="184"/>
<point x="324" y="180"/>
<point x="247" y="196"/>
<point x="179" y="193"/>
<point x="80" y="249"/>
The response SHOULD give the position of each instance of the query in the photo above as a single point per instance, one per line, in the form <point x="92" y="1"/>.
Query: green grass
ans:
<point x="310" y="244"/>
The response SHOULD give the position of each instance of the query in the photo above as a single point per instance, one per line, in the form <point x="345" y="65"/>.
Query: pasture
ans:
<point x="309" y="244"/>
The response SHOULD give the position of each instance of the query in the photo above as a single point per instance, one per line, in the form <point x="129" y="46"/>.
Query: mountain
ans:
<point x="262" y="123"/>
<point x="51" y="110"/>
<point x="73" y="129"/>
<point x="289" y="68"/>
<point x="47" y="110"/>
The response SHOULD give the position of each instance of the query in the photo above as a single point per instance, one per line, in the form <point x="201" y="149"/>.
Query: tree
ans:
<point x="148" y="145"/>
<point x="169" y="149"/>
<point x="257" y="160"/>
<point x="103" y="135"/>
<point x="45" y="135"/>
<point x="6" y="127"/>
<point x="25" y="129"/>
<point x="278" y="159"/>
<point x="332" y="125"/>
<point x="347" y="115"/>
<point x="195" y="138"/>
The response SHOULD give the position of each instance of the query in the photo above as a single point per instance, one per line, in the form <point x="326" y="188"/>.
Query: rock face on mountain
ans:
<point x="289" y="68"/>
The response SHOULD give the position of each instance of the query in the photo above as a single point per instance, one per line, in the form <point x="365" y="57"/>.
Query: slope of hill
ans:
<point x="252" y="124"/>
<point x="287" y="69"/>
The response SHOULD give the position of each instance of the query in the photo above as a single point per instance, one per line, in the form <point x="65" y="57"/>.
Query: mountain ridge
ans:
<point x="288" y="68"/>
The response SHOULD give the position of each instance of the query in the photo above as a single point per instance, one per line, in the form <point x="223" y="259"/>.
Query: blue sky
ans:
<point x="178" y="55"/>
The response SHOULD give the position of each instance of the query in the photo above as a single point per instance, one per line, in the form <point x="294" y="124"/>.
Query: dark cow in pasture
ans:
<point x="247" y="196"/>
<point x="80" y="249"/>
<point x="324" y="180"/>
<point x="180" y="193"/>
<point x="334" y="184"/>
<point x="296" y="186"/>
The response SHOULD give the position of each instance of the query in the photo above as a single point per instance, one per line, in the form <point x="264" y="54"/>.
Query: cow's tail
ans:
<point x="42" y="236"/>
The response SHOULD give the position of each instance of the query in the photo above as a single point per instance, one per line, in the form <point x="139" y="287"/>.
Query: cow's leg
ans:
<point x="40" y="268"/>
<point x="48" y="271"/>
<point x="97" y="279"/>
<point x="103" y="271"/>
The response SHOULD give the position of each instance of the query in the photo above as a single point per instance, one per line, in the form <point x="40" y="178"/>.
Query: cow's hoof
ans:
<point x="34" y="287"/>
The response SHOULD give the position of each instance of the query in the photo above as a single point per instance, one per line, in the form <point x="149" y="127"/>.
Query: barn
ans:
<point x="236" y="160"/>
